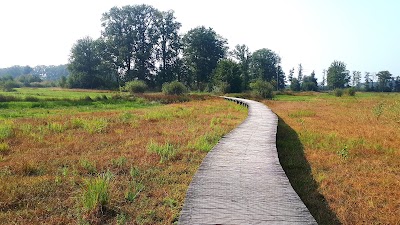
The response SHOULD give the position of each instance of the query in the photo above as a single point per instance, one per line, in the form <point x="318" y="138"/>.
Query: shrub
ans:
<point x="263" y="89"/>
<point x="338" y="92"/>
<point x="31" y="99"/>
<point x="9" y="85"/>
<point x="222" y="87"/>
<point x="351" y="91"/>
<point x="6" y="98"/>
<point x="174" y="88"/>
<point x="136" y="86"/>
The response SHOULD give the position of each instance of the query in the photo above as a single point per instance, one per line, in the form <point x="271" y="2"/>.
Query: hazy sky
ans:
<point x="363" y="34"/>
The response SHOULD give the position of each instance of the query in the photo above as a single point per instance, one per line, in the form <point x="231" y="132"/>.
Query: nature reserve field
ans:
<point x="97" y="157"/>
<point x="342" y="154"/>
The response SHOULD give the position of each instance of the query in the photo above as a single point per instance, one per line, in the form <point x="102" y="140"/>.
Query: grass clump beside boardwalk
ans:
<point x="52" y="159"/>
<point x="342" y="154"/>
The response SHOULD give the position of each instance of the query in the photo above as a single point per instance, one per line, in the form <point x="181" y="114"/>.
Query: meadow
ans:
<point x="342" y="154"/>
<point x="75" y="156"/>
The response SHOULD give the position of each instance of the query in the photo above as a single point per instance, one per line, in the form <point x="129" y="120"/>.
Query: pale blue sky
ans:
<point x="363" y="34"/>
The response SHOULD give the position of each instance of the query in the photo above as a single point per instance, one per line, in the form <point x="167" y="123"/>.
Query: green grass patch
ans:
<point x="302" y="113"/>
<point x="96" y="193"/>
<point x="6" y="130"/>
<point x="206" y="142"/>
<point x="166" y="151"/>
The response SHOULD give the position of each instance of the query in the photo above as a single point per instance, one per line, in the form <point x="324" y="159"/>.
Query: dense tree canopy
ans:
<point x="169" y="49"/>
<point x="338" y="76"/>
<point x="85" y="65"/>
<point x="227" y="76"/>
<point x="203" y="48"/>
<point x="265" y="65"/>
<point x="309" y="83"/>
<point x="385" y="81"/>
<point x="132" y="35"/>
<point x="243" y="55"/>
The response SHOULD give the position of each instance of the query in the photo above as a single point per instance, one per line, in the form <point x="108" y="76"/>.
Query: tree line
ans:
<point x="139" y="42"/>
<point x="338" y="77"/>
<point x="142" y="43"/>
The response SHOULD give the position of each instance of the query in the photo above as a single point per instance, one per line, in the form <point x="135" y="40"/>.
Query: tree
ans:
<point x="337" y="75"/>
<point x="228" y="72"/>
<point x="367" y="81"/>
<point x="300" y="74"/>
<point x="265" y="65"/>
<point x="323" y="82"/>
<point x="243" y="55"/>
<point x="291" y="73"/>
<point x="295" y="85"/>
<point x="169" y="48"/>
<point x="385" y="81"/>
<point x="396" y="87"/>
<point x="84" y="65"/>
<point x="203" y="48"/>
<point x="356" y="79"/>
<point x="309" y="83"/>
<point x="132" y="34"/>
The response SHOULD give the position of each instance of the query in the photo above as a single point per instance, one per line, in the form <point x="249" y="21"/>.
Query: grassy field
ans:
<point x="342" y="154"/>
<point x="65" y="158"/>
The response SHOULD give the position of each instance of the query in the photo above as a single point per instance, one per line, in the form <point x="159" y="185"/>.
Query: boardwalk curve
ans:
<point x="241" y="180"/>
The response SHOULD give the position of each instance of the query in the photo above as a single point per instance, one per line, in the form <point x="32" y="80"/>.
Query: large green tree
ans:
<point x="385" y="81"/>
<point x="169" y="48"/>
<point x="228" y="73"/>
<point x="265" y="65"/>
<point x="243" y="55"/>
<point x="203" y="48"/>
<point x="84" y="65"/>
<point x="338" y="76"/>
<point x="310" y="83"/>
<point x="132" y="33"/>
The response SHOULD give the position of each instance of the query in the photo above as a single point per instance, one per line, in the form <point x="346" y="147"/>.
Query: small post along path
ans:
<point x="241" y="180"/>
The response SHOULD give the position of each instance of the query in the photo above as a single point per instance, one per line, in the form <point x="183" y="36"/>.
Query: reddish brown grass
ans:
<point x="42" y="175"/>
<point x="364" y="187"/>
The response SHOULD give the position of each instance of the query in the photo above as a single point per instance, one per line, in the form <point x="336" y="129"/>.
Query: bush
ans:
<point x="351" y="91"/>
<point x="31" y="99"/>
<point x="136" y="86"/>
<point x="338" y="92"/>
<point x="174" y="88"/>
<point x="9" y="85"/>
<point x="222" y="87"/>
<point x="263" y="89"/>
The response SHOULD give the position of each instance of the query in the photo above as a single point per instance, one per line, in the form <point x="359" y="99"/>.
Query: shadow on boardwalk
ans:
<point x="297" y="169"/>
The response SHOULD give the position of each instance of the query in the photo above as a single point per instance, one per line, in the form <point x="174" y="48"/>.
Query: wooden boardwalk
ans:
<point x="241" y="180"/>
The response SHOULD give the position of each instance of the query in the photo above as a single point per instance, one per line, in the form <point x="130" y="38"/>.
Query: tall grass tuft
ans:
<point x="96" y="194"/>
<point x="95" y="125"/>
<point x="166" y="151"/>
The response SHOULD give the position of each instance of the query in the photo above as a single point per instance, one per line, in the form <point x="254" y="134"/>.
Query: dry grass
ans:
<point x="352" y="146"/>
<point x="49" y="162"/>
